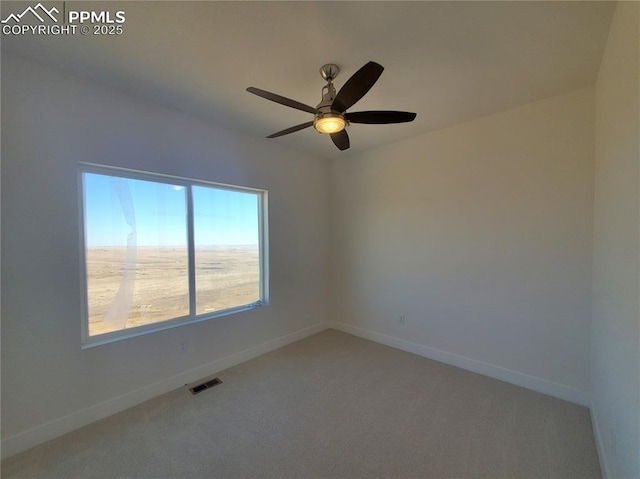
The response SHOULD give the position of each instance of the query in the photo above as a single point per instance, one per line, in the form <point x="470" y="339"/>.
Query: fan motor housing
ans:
<point x="327" y="120"/>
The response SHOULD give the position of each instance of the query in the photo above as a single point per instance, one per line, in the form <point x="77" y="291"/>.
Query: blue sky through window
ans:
<point x="158" y="211"/>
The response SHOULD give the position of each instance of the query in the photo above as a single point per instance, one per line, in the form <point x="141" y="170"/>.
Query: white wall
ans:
<point x="49" y="123"/>
<point x="481" y="234"/>
<point x="615" y="378"/>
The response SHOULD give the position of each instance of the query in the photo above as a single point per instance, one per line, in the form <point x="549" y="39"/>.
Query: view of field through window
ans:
<point x="136" y="237"/>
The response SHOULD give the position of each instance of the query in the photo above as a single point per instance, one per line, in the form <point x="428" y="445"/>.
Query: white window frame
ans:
<point x="263" y="245"/>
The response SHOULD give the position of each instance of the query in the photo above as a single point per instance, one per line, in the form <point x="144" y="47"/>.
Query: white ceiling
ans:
<point x="447" y="61"/>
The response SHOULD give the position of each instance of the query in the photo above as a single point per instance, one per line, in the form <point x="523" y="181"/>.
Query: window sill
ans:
<point x="99" y="340"/>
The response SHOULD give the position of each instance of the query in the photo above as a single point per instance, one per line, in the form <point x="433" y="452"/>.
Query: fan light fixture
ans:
<point x="329" y="123"/>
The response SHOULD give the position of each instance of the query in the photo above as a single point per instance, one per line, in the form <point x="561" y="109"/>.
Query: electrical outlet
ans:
<point x="402" y="319"/>
<point x="183" y="346"/>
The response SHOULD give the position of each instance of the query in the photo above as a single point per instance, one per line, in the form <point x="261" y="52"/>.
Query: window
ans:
<point x="160" y="251"/>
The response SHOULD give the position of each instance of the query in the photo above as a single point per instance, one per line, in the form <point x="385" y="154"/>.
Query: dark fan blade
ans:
<point x="357" y="86"/>
<point x="301" y="126"/>
<point x="380" y="117"/>
<point x="341" y="139"/>
<point x="282" y="100"/>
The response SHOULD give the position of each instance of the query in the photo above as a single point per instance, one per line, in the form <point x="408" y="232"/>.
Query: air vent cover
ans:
<point x="198" y="388"/>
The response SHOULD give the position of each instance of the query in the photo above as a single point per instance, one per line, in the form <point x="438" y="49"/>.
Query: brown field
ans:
<point x="157" y="287"/>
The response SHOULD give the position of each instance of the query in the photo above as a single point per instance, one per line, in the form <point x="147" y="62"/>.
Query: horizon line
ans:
<point x="171" y="246"/>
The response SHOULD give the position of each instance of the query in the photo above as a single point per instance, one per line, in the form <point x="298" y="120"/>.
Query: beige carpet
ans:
<point x="331" y="405"/>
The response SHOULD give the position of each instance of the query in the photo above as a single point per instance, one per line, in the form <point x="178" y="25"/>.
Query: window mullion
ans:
<point x="191" y="253"/>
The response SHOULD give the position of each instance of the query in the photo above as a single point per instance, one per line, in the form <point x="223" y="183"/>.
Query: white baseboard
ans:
<point x="497" y="372"/>
<point x="604" y="465"/>
<point x="76" y="420"/>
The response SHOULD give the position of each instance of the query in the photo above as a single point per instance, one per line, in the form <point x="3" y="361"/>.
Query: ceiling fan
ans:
<point x="330" y="116"/>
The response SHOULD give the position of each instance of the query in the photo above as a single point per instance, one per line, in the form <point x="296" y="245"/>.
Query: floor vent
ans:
<point x="204" y="386"/>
